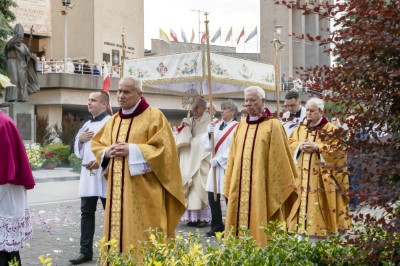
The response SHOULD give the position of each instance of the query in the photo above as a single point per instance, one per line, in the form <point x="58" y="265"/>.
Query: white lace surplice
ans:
<point x="15" y="226"/>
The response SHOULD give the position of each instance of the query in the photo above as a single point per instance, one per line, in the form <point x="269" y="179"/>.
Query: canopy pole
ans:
<point x="123" y="53"/>
<point x="210" y="99"/>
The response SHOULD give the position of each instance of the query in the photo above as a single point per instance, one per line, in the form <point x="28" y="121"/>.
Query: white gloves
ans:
<point x="214" y="162"/>
<point x="210" y="128"/>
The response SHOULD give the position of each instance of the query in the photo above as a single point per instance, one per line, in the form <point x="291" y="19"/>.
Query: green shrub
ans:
<point x="282" y="249"/>
<point x="59" y="150"/>
<point x="70" y="126"/>
<point x="44" y="134"/>
<point x="75" y="163"/>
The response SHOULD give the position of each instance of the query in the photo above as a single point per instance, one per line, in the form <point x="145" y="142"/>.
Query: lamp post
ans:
<point x="277" y="47"/>
<point x="66" y="4"/>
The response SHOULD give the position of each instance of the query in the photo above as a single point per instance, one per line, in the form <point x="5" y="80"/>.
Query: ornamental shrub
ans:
<point x="35" y="157"/>
<point x="59" y="151"/>
<point x="282" y="249"/>
<point x="75" y="162"/>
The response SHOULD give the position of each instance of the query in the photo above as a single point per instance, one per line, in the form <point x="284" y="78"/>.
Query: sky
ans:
<point x="178" y="14"/>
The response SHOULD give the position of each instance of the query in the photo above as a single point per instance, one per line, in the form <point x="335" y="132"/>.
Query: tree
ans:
<point x="6" y="17"/>
<point x="364" y="83"/>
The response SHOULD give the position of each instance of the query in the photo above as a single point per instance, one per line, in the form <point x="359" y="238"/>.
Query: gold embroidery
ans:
<point x="304" y="193"/>
<point x="116" y="208"/>
<point x="245" y="180"/>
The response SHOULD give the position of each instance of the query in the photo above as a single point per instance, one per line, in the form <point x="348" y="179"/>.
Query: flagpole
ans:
<point x="220" y="42"/>
<point x="211" y="103"/>
<point x="232" y="41"/>
<point x="258" y="54"/>
<point x="244" y="43"/>
<point x="198" y="14"/>
<point x="123" y="53"/>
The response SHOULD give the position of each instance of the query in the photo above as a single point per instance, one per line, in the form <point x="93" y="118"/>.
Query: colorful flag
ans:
<point x="240" y="36"/>
<point x="228" y="37"/>
<point x="216" y="35"/>
<point x="183" y="36"/>
<point x="106" y="85"/>
<point x="203" y="38"/>
<point x="173" y="35"/>
<point x="251" y="35"/>
<point x="164" y="37"/>
<point x="192" y="38"/>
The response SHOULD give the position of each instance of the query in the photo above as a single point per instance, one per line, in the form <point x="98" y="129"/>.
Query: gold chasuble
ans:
<point x="151" y="200"/>
<point x="259" y="178"/>
<point x="323" y="182"/>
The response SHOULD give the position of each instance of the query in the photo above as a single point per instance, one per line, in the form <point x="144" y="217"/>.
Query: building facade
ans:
<point x="93" y="28"/>
<point x="296" y="52"/>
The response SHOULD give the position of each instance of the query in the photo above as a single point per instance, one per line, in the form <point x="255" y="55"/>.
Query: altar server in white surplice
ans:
<point x="295" y="113"/>
<point x="92" y="185"/>
<point x="223" y="133"/>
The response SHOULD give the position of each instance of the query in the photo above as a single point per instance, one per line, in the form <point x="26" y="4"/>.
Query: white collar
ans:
<point x="130" y="111"/>
<point x="314" y="124"/>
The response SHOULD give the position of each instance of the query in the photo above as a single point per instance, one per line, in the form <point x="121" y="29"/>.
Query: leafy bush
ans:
<point x="67" y="132"/>
<point x="35" y="157"/>
<point x="60" y="151"/>
<point x="44" y="133"/>
<point x="75" y="163"/>
<point x="282" y="249"/>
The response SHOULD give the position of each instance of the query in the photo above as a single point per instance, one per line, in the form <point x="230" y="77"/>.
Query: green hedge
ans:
<point x="75" y="163"/>
<point x="59" y="149"/>
<point x="282" y="249"/>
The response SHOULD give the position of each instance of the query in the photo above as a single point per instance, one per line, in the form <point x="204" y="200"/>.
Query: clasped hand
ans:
<point x="118" y="149"/>
<point x="309" y="147"/>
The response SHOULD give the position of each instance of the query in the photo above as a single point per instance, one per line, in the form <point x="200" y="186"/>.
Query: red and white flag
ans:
<point x="107" y="84"/>
<point x="173" y="35"/>
<point x="240" y="36"/>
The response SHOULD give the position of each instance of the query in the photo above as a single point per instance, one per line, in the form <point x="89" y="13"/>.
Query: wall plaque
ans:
<point x="24" y="126"/>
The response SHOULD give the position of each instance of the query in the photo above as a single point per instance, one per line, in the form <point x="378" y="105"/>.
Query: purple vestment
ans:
<point x="14" y="164"/>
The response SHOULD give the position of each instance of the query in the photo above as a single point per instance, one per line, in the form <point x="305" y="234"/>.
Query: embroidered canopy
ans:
<point x="178" y="73"/>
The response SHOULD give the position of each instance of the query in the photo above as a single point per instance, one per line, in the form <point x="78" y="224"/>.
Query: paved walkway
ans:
<point x="57" y="174"/>
<point x="55" y="217"/>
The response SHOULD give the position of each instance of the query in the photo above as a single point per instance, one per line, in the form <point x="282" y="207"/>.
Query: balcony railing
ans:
<point x="48" y="67"/>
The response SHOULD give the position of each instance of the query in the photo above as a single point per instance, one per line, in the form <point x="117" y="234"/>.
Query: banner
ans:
<point x="36" y="13"/>
<point x="179" y="73"/>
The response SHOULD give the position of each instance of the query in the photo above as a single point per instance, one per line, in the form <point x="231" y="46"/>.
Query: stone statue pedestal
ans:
<point x="23" y="113"/>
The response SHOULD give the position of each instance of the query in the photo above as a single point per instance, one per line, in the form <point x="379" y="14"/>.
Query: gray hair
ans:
<point x="260" y="91"/>
<point x="230" y="105"/>
<point x="136" y="81"/>
<point x="318" y="102"/>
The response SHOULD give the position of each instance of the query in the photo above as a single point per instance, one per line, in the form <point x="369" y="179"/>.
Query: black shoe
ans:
<point x="192" y="223"/>
<point x="210" y="233"/>
<point x="202" y="224"/>
<point x="81" y="259"/>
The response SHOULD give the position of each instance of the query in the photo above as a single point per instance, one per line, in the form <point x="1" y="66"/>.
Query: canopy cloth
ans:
<point x="178" y="73"/>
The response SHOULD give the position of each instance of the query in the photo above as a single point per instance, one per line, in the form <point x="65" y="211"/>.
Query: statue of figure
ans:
<point x="21" y="68"/>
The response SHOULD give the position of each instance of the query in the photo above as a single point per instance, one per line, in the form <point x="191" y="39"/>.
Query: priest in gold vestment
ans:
<point x="260" y="173"/>
<point x="137" y="151"/>
<point x="323" y="181"/>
